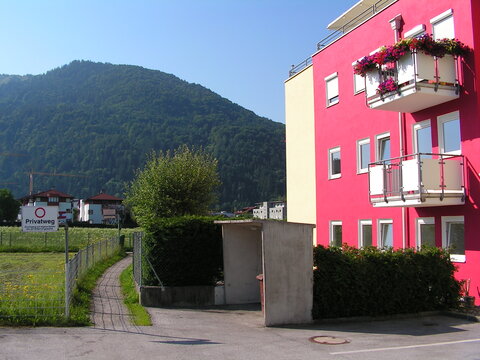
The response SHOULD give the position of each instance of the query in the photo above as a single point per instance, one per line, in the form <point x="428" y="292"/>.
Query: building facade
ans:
<point x="391" y="158"/>
<point x="275" y="210"/>
<point x="52" y="198"/>
<point x="100" y="209"/>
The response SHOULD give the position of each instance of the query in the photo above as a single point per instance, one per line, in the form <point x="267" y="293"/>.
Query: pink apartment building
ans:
<point x="400" y="168"/>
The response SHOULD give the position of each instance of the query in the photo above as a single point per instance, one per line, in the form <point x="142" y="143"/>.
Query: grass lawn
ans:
<point x="32" y="287"/>
<point x="140" y="315"/>
<point x="12" y="239"/>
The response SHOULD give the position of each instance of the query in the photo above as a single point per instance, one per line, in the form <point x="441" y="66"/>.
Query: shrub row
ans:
<point x="372" y="282"/>
<point x="183" y="251"/>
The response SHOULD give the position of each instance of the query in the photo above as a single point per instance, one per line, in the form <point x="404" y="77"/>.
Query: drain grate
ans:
<point x="328" y="340"/>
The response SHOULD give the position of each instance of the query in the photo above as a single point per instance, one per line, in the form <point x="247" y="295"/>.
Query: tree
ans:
<point x="173" y="184"/>
<point x="9" y="207"/>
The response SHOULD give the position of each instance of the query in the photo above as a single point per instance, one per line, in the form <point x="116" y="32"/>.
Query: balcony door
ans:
<point x="422" y="138"/>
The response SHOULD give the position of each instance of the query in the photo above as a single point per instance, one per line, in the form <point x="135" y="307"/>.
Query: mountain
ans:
<point x="101" y="120"/>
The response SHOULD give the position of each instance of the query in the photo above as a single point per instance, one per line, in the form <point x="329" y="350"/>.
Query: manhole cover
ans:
<point x="328" y="340"/>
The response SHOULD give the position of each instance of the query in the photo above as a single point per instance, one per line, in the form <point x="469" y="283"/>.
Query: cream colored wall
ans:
<point x="300" y="135"/>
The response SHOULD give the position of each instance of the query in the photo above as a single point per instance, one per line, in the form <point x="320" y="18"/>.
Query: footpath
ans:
<point x="108" y="311"/>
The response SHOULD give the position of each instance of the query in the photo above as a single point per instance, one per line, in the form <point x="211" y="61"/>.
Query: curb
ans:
<point x="460" y="315"/>
<point x="356" y="319"/>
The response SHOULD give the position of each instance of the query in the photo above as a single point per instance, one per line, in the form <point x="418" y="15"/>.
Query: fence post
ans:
<point x="140" y="259"/>
<point x="67" y="271"/>
<point x="67" y="291"/>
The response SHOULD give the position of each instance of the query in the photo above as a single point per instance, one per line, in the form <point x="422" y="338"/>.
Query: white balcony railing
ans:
<point x="417" y="180"/>
<point x="423" y="81"/>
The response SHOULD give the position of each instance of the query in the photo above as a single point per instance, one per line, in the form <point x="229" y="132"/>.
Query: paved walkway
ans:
<point x="108" y="310"/>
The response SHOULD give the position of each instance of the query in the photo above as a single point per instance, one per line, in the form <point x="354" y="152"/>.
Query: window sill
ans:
<point x="458" y="258"/>
<point x="332" y="104"/>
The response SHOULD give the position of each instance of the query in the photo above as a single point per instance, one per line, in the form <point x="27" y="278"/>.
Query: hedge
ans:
<point x="184" y="251"/>
<point x="371" y="282"/>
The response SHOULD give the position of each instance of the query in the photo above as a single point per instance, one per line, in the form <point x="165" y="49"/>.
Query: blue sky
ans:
<point x="240" y="49"/>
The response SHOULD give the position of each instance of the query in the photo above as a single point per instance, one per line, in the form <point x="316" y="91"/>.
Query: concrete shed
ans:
<point x="283" y="253"/>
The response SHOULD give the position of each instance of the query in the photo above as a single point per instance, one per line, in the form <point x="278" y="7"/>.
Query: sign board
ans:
<point x="39" y="218"/>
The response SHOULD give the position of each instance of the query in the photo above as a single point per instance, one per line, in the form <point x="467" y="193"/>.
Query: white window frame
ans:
<point x="361" y="142"/>
<point x="445" y="221"/>
<point x="332" y="100"/>
<point x="332" y="224"/>
<point x="361" y="224"/>
<point x="378" y="139"/>
<point x="415" y="31"/>
<point x="415" y="128"/>
<point x="455" y="115"/>
<point x="331" y="175"/>
<point x="380" y="222"/>
<point x="358" y="79"/>
<point x="440" y="18"/>
<point x="418" y="234"/>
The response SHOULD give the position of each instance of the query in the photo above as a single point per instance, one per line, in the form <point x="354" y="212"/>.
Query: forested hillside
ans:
<point x="101" y="120"/>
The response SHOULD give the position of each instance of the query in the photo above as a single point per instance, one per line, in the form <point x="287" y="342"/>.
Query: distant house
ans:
<point x="52" y="198"/>
<point x="100" y="209"/>
<point x="271" y="210"/>
<point x="245" y="211"/>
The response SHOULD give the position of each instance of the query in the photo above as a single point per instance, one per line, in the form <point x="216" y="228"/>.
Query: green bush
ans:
<point x="372" y="282"/>
<point x="183" y="251"/>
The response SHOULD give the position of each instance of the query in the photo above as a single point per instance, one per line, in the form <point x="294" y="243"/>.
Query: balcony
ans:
<point x="423" y="81"/>
<point x="417" y="180"/>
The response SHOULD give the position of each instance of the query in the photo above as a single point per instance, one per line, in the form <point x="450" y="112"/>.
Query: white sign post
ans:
<point x="45" y="219"/>
<point x="39" y="218"/>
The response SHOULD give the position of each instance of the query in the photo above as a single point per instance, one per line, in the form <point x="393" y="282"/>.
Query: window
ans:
<point x="417" y="31"/>
<point x="453" y="237"/>
<point x="334" y="168"/>
<point x="422" y="138"/>
<point x="90" y="212"/>
<point x="363" y="155"/>
<point x="383" y="147"/>
<point x="358" y="82"/>
<point x="331" y="82"/>
<point x="336" y="233"/>
<point x="449" y="139"/>
<point x="385" y="234"/>
<point x="53" y="199"/>
<point x="442" y="26"/>
<point x="364" y="233"/>
<point x="425" y="232"/>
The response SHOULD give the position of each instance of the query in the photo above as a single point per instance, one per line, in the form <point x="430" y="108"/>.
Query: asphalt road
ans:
<point x="225" y="333"/>
<point x="238" y="334"/>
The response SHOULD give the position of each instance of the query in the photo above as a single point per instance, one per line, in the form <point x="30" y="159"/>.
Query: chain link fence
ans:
<point x="84" y="260"/>
<point x="137" y="258"/>
<point x="143" y="270"/>
<point x="55" y="241"/>
<point x="34" y="293"/>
